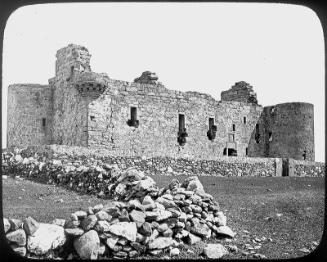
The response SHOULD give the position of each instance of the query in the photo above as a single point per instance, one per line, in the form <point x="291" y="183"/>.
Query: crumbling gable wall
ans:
<point x="29" y="115"/>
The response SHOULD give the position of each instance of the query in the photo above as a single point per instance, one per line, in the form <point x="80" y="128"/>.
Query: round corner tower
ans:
<point x="289" y="131"/>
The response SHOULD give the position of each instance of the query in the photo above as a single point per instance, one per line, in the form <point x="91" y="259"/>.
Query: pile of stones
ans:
<point x="147" y="77"/>
<point x="140" y="219"/>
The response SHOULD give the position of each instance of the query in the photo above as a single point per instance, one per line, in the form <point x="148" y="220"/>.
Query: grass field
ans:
<point x="287" y="211"/>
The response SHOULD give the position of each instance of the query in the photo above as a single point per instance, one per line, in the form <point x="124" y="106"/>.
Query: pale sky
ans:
<point x="204" y="47"/>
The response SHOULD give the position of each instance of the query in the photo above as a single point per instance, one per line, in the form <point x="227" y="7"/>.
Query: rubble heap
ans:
<point x="139" y="219"/>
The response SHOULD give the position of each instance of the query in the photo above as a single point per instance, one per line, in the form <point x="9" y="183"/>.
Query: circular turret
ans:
<point x="290" y="131"/>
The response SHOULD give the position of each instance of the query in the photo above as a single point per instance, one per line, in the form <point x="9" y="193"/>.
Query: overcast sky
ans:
<point x="204" y="47"/>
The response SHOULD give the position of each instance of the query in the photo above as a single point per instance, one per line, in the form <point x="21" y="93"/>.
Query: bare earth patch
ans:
<point x="279" y="217"/>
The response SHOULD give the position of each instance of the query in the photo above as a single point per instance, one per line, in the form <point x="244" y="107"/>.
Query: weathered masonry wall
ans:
<point x="223" y="166"/>
<point x="158" y="111"/>
<point x="306" y="168"/>
<point x="145" y="119"/>
<point x="285" y="131"/>
<point x="290" y="128"/>
<point x="29" y="115"/>
<point x="70" y="115"/>
<point x="70" y="108"/>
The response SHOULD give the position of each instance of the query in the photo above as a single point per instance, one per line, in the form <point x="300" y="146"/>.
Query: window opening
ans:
<point x="233" y="127"/>
<point x="181" y="136"/>
<point x="212" y="129"/>
<point x="230" y="152"/>
<point x="304" y="155"/>
<point x="133" y="120"/>
<point x="244" y="120"/>
<point x="257" y="134"/>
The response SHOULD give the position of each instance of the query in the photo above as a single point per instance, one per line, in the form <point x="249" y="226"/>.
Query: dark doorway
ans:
<point x="285" y="167"/>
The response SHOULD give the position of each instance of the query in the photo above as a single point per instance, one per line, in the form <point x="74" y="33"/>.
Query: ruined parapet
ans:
<point x="241" y="92"/>
<point x="147" y="77"/>
<point x="71" y="59"/>
<point x="90" y="84"/>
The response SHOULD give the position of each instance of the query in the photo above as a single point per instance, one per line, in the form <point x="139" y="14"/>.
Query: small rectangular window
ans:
<point x="211" y="122"/>
<point x="133" y="120"/>
<point x="133" y="114"/>
<point x="246" y="151"/>
<point x="92" y="118"/>
<point x="244" y="120"/>
<point x="44" y="122"/>
<point x="270" y="136"/>
<point x="233" y="127"/>
<point x="257" y="134"/>
<point x="181" y="122"/>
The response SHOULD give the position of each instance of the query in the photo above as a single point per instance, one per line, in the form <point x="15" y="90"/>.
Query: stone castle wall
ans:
<point x="69" y="107"/>
<point x="90" y="109"/>
<point x="158" y="111"/>
<point x="291" y="130"/>
<point x="29" y="115"/>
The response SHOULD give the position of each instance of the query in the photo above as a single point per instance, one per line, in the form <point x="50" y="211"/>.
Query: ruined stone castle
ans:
<point x="143" y="118"/>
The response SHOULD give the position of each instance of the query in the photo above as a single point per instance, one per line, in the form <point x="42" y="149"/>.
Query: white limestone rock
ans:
<point x="46" y="237"/>
<point x="124" y="229"/>
<point x="160" y="243"/>
<point x="226" y="231"/>
<point x="214" y="251"/>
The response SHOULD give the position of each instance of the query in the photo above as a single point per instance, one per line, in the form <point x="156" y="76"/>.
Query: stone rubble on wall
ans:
<point x="147" y="77"/>
<point x="139" y="219"/>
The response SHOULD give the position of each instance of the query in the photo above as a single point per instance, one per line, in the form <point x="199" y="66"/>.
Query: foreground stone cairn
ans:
<point x="139" y="219"/>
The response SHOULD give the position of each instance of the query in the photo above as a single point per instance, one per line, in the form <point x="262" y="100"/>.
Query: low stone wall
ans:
<point x="224" y="166"/>
<point x="306" y="168"/>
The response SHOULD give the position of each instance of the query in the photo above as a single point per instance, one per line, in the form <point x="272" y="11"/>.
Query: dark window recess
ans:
<point x="92" y="118"/>
<point x="181" y="135"/>
<point x="257" y="134"/>
<point x="230" y="152"/>
<point x="246" y="151"/>
<point x="44" y="122"/>
<point x="133" y="121"/>
<point x="244" y="120"/>
<point x="212" y="129"/>
<point x="233" y="127"/>
<point x="270" y="136"/>
<point x="304" y="155"/>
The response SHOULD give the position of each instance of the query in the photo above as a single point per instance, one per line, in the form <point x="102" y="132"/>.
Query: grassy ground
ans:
<point x="288" y="212"/>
